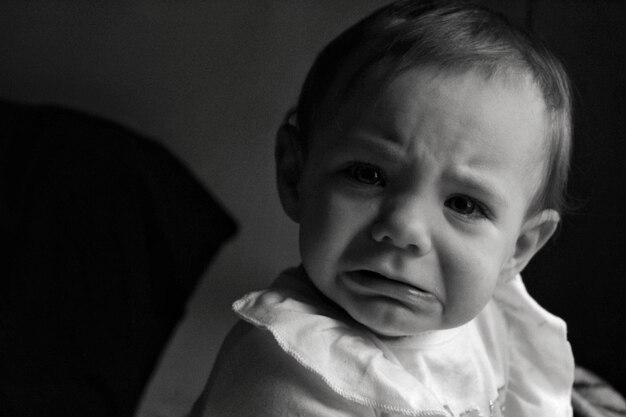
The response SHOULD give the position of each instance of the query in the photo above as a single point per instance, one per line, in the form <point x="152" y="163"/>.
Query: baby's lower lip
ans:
<point x="373" y="284"/>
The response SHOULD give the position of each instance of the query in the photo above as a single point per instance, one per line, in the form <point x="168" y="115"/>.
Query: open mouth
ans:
<point x="372" y="275"/>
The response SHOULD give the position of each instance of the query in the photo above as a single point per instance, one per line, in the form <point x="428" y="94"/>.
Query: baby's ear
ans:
<point x="289" y="165"/>
<point x="535" y="233"/>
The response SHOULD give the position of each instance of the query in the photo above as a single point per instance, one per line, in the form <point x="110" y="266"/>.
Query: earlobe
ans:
<point x="289" y="158"/>
<point x="535" y="233"/>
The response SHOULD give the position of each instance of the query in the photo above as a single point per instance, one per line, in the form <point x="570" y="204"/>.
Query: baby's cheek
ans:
<point x="340" y="218"/>
<point x="321" y="233"/>
<point x="469" y="285"/>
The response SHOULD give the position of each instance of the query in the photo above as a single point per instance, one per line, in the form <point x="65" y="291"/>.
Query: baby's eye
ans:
<point x="367" y="174"/>
<point x="466" y="206"/>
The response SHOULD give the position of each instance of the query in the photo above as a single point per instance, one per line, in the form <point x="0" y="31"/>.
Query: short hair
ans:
<point x="455" y="36"/>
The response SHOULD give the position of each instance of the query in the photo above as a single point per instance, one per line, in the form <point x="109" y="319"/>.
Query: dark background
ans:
<point x="581" y="276"/>
<point x="211" y="80"/>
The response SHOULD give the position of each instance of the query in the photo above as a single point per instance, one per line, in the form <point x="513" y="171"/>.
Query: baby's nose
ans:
<point x="404" y="224"/>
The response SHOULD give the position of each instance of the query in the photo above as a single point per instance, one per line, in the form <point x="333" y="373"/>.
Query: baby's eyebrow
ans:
<point x="381" y="145"/>
<point x="482" y="186"/>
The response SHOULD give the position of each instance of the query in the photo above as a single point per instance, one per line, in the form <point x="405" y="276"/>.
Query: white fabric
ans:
<point x="514" y="356"/>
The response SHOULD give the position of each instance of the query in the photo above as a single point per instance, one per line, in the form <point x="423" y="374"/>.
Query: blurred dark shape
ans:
<point x="103" y="235"/>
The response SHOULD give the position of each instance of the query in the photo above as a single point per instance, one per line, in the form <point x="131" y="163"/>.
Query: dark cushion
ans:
<point x="103" y="235"/>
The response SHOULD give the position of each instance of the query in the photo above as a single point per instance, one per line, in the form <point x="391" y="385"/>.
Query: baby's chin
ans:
<point x="408" y="331"/>
<point x="400" y="323"/>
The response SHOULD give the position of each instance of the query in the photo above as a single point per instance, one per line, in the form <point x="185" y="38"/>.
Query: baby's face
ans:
<point x="412" y="201"/>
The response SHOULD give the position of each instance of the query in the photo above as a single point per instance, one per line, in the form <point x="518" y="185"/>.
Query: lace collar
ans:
<point x="533" y="365"/>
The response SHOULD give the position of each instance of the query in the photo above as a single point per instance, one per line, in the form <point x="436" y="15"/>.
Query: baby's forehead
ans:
<point x="365" y="84"/>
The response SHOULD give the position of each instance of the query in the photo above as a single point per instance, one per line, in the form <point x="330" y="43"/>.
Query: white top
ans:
<point x="513" y="359"/>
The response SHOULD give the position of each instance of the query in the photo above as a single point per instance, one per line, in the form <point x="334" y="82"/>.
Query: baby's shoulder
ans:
<point x="250" y="355"/>
<point x="252" y="375"/>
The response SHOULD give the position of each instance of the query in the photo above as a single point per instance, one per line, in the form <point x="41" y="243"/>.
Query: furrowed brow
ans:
<point x="481" y="186"/>
<point x="381" y="146"/>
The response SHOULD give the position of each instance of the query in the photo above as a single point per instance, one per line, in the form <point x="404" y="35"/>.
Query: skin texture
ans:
<point x="413" y="198"/>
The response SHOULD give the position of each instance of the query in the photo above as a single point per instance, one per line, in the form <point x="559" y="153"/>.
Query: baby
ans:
<point x="425" y="166"/>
